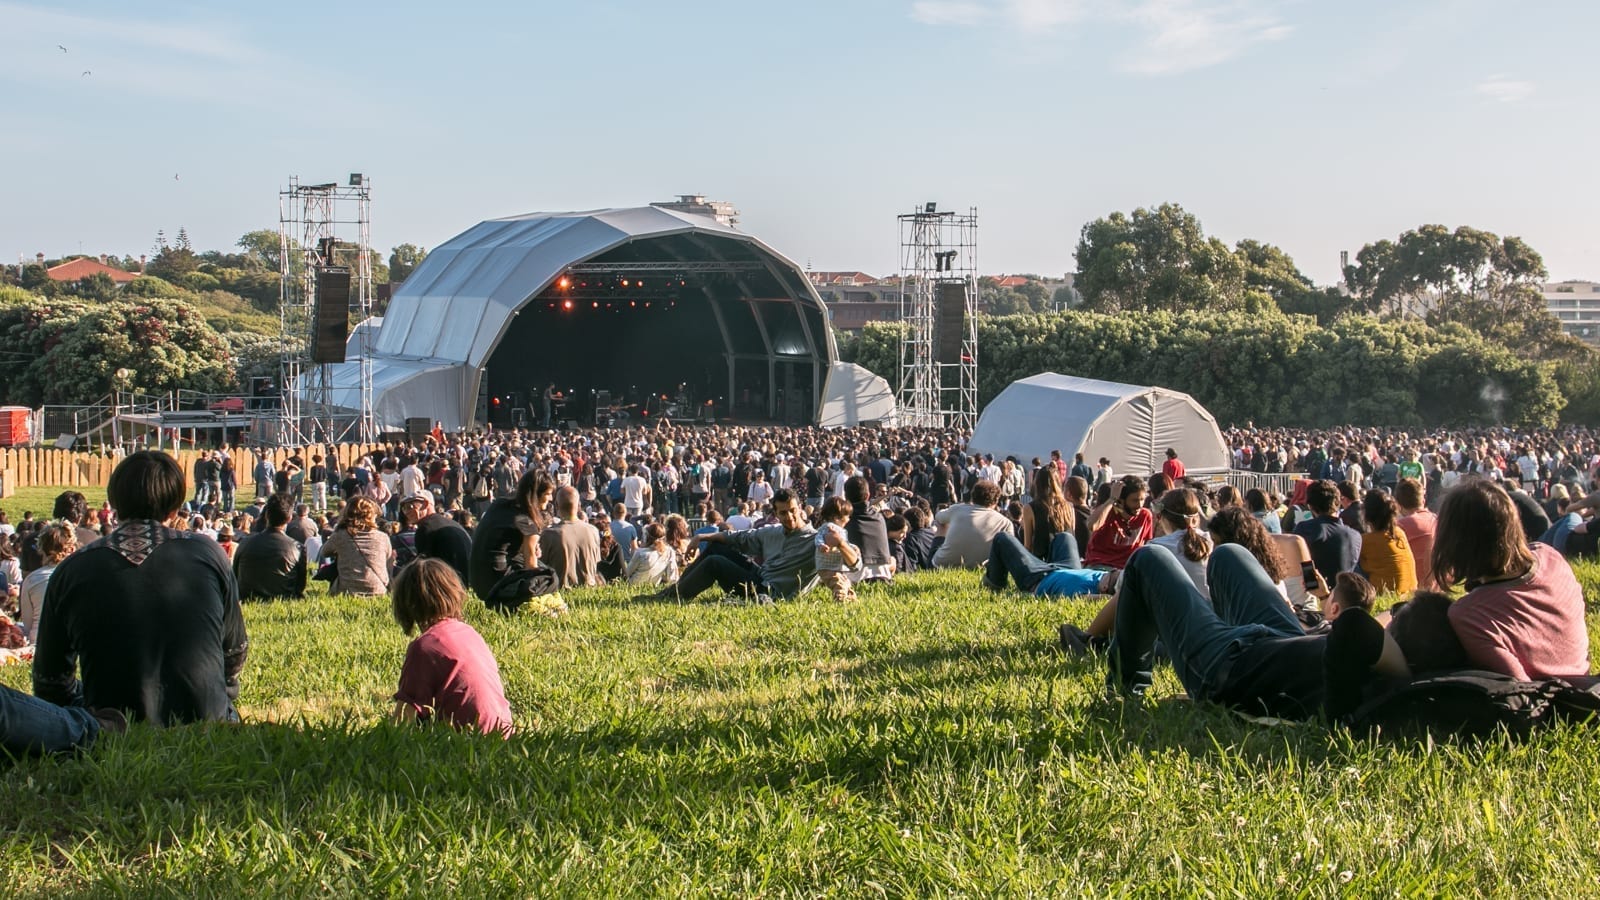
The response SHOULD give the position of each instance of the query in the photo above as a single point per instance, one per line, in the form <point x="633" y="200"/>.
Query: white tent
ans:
<point x="854" y="395"/>
<point x="1131" y="425"/>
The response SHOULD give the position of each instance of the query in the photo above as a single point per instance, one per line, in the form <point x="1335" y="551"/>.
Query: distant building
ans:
<point x="697" y="204"/>
<point x="1577" y="305"/>
<point x="83" y="267"/>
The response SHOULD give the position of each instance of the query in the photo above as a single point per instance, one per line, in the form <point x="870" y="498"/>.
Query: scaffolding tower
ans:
<point x="939" y="306"/>
<point x="310" y="220"/>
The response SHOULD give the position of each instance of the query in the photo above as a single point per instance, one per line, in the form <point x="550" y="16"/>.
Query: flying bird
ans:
<point x="61" y="48"/>
<point x="85" y="72"/>
<point x="174" y="178"/>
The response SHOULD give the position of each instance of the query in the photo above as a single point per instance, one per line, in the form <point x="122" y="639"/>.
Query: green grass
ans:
<point x="929" y="741"/>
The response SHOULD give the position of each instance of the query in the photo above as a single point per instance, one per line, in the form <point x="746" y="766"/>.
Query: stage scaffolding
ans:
<point x="314" y="221"/>
<point x="938" y="276"/>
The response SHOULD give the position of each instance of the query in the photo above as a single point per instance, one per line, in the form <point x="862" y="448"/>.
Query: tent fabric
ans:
<point x="854" y="395"/>
<point x="453" y="311"/>
<point x="1129" y="424"/>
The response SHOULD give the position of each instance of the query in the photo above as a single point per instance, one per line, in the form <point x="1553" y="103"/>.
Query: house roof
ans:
<point x="83" y="267"/>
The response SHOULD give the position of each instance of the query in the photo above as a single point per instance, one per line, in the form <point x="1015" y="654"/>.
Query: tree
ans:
<point x="98" y="286"/>
<point x="403" y="260"/>
<point x="173" y="261"/>
<point x="1469" y="277"/>
<point x="1156" y="259"/>
<point x="261" y="247"/>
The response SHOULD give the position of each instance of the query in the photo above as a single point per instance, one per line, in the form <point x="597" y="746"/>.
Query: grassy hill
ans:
<point x="927" y="741"/>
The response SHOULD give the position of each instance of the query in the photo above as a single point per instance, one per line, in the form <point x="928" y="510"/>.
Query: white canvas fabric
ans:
<point x="1130" y="424"/>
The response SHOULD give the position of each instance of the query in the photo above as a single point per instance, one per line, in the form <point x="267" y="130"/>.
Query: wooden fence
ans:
<point x="39" y="467"/>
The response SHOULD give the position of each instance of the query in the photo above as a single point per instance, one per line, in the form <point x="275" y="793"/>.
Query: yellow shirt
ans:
<point x="1386" y="559"/>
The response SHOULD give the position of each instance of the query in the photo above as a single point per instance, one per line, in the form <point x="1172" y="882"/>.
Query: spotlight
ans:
<point x="633" y="303"/>
<point x="566" y="304"/>
<point x="596" y="305"/>
<point x="624" y="282"/>
<point x="564" y="283"/>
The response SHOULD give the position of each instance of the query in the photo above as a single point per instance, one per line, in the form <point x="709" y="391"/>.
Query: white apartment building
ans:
<point x="1577" y="305"/>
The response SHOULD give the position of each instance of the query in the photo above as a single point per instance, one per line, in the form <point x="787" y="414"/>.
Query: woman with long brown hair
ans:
<point x="1523" y="612"/>
<point x="363" y="554"/>
<point x="1047" y="515"/>
<point x="1386" y="558"/>
<point x="1180" y="530"/>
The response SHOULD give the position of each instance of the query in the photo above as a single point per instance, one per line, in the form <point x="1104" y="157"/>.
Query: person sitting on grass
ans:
<point x="449" y="673"/>
<point x="271" y="564"/>
<point x="656" y="561"/>
<point x="786" y="550"/>
<point x="835" y="555"/>
<point x="1335" y="546"/>
<point x="363" y="556"/>
<point x="1119" y="525"/>
<point x="56" y="541"/>
<point x="1523" y="613"/>
<point x="150" y="614"/>
<point x="971" y="528"/>
<point x="1385" y="558"/>
<point x="1010" y="561"/>
<point x="1245" y="649"/>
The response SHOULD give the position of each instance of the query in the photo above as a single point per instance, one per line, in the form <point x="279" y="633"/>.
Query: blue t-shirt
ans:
<point x="1070" y="583"/>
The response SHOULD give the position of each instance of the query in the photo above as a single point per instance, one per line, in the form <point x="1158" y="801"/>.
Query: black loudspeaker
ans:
<point x="418" y="428"/>
<point x="332" y="315"/>
<point x="950" y="320"/>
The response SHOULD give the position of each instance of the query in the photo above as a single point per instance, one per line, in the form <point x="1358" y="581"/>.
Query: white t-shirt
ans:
<point x="1195" y="570"/>
<point x="633" y="492"/>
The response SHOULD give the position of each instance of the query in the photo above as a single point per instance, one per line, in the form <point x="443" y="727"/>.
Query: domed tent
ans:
<point x="649" y="310"/>
<point x="1131" y="425"/>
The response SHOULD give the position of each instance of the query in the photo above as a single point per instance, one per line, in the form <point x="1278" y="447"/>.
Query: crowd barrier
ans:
<point x="22" y="467"/>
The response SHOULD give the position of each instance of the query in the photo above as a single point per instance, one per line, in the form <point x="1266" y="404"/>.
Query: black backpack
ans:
<point x="1472" y="704"/>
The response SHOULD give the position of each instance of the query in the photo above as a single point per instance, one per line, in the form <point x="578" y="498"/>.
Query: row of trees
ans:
<point x="1274" y="368"/>
<point x="201" y="321"/>
<point x="1162" y="259"/>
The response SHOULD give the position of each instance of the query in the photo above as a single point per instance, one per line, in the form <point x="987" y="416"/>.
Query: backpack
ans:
<point x="721" y="477"/>
<point x="1473" y="704"/>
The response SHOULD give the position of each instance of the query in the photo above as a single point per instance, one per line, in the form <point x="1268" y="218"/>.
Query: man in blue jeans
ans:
<point x="1064" y="577"/>
<point x="1245" y="649"/>
<point x="30" y="726"/>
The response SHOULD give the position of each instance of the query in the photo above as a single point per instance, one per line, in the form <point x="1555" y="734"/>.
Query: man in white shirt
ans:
<point x="635" y="492"/>
<point x="412" y="479"/>
<point x="780" y="473"/>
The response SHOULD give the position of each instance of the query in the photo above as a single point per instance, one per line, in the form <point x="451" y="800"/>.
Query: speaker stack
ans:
<point x="950" y="320"/>
<point x="332" y="314"/>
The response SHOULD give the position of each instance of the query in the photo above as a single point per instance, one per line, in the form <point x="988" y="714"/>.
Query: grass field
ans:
<point x="929" y="741"/>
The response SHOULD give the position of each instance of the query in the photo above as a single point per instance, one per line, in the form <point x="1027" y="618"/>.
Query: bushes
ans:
<point x="1268" y="368"/>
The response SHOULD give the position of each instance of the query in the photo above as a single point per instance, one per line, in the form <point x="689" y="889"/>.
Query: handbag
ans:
<point x="328" y="571"/>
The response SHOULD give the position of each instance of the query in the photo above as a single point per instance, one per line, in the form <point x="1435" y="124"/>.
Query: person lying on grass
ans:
<point x="449" y="673"/>
<point x="786" y="549"/>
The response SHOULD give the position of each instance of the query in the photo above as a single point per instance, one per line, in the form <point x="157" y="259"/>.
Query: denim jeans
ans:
<point x="1158" y="599"/>
<point x="1007" y="557"/>
<point x="1556" y="536"/>
<point x="30" y="726"/>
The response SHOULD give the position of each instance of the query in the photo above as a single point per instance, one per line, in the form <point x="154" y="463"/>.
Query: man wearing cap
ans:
<point x="437" y="536"/>
<point x="413" y="508"/>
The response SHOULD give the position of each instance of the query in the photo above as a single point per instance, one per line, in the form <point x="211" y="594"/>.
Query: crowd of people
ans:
<point x="1244" y="587"/>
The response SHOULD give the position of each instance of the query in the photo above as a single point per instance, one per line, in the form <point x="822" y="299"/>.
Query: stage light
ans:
<point x="624" y="282"/>
<point x="564" y="283"/>
<point x="566" y="304"/>
<point x="647" y="304"/>
<point x="596" y="304"/>
<point x="633" y="303"/>
<point x="495" y="401"/>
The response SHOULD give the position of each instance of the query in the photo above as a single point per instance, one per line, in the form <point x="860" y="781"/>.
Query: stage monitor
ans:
<point x="332" y="315"/>
<point x="950" y="320"/>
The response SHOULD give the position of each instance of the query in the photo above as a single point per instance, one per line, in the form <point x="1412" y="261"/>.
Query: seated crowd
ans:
<point x="1252" y="594"/>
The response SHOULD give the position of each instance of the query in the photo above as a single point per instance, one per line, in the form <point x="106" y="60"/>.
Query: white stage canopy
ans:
<point x="854" y="395"/>
<point x="1129" y="424"/>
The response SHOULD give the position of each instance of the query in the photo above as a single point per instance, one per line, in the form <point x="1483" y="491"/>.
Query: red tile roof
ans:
<point x="83" y="267"/>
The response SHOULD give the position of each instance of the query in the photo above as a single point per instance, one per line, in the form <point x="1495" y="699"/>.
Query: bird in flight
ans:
<point x="174" y="178"/>
<point x="61" y="48"/>
<point x="85" y="72"/>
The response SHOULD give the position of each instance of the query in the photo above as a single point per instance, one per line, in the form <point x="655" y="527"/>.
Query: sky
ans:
<point x="1316" y="126"/>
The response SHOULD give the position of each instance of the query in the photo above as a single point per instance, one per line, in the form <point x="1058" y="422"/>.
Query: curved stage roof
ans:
<point x="512" y="304"/>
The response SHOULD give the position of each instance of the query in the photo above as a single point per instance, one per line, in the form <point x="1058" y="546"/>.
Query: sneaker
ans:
<point x="112" y="720"/>
<point x="1074" y="640"/>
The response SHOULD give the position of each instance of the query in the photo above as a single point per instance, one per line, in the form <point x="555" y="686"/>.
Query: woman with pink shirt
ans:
<point x="1419" y="525"/>
<point x="1523" y="612"/>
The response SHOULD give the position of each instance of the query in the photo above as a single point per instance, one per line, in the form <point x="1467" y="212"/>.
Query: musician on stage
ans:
<point x="551" y="396"/>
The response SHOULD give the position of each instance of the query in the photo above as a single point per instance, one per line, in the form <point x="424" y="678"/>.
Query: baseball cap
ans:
<point x="416" y="497"/>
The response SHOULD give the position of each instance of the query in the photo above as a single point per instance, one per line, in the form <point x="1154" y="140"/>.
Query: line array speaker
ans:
<point x="950" y="320"/>
<point x="332" y="315"/>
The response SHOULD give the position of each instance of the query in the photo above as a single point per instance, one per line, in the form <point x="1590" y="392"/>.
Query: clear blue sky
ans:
<point x="1316" y="126"/>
